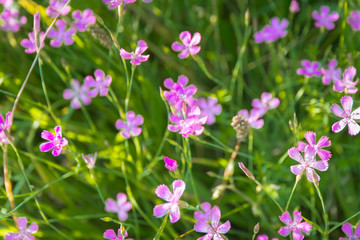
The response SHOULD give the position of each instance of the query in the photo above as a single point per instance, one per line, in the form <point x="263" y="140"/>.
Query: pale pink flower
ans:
<point x="332" y="74"/>
<point x="294" y="6"/>
<point x="77" y="93"/>
<point x="295" y="226"/>
<point x="188" y="45"/>
<point x="56" y="142"/>
<point x="120" y="206"/>
<point x="90" y="160"/>
<point x="3" y="138"/>
<point x="100" y="85"/>
<point x="170" y="164"/>
<point x="252" y="118"/>
<point x="264" y="237"/>
<point x="55" y="6"/>
<point x="6" y="3"/>
<point x="310" y="69"/>
<point x="111" y="235"/>
<point x="24" y="231"/>
<point x="209" y="107"/>
<point x="347" y="84"/>
<point x="325" y="18"/>
<point x="354" y="20"/>
<point x="348" y="118"/>
<point x="205" y="213"/>
<point x="10" y="20"/>
<point x="61" y="35"/>
<point x="350" y="234"/>
<point x="323" y="142"/>
<point x="29" y="43"/>
<point x="265" y="103"/>
<point x="136" y="57"/>
<point x="130" y="127"/>
<point x="270" y="33"/>
<point x="82" y="20"/>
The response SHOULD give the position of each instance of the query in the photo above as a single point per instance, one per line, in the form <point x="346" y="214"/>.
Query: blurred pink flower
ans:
<point x="55" y="6"/>
<point x="294" y="6"/>
<point x="252" y="118"/>
<point x="323" y="142"/>
<point x="325" y="18"/>
<point x="99" y="85"/>
<point x="24" y="231"/>
<point x="310" y="69"/>
<point x="348" y="118"/>
<point x="10" y="20"/>
<point x="264" y="237"/>
<point x="347" y="84"/>
<point x="354" y="20"/>
<point x="111" y="235"/>
<point x="62" y="35"/>
<point x="5" y="123"/>
<point x="170" y="164"/>
<point x="120" y="206"/>
<point x="78" y="94"/>
<point x="209" y="107"/>
<point x="350" y="234"/>
<point x="272" y="32"/>
<point x="130" y="126"/>
<point x="205" y="214"/>
<point x="295" y="226"/>
<point x="136" y="57"/>
<point x="6" y="3"/>
<point x="332" y="74"/>
<point x="29" y="43"/>
<point x="188" y="45"/>
<point x="82" y="20"/>
<point x="265" y="103"/>
<point x="115" y="3"/>
<point x="90" y="160"/>
<point x="56" y="142"/>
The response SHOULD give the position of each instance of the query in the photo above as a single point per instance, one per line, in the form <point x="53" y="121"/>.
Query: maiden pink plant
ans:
<point x="111" y="235"/>
<point x="348" y="118"/>
<point x="294" y="225"/>
<point x="136" y="57"/>
<point x="130" y="127"/>
<point x="100" y="85"/>
<point x="56" y="142"/>
<point x="270" y="33"/>
<point x="188" y="45"/>
<point x="62" y="35"/>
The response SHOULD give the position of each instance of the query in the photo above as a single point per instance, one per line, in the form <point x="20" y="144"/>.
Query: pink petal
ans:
<point x="45" y="147"/>
<point x="347" y="229"/>
<point x="177" y="47"/>
<point x="196" y="39"/>
<point x="68" y="94"/>
<point x="297" y="217"/>
<point x="194" y="50"/>
<point x="325" y="155"/>
<point x="119" y="124"/>
<point x="339" y="125"/>
<point x="164" y="193"/>
<point x="168" y="83"/>
<point x="357" y="230"/>
<point x="161" y="210"/>
<point x="110" y="234"/>
<point x="122" y="215"/>
<point x="346" y="103"/>
<point x="174" y="213"/>
<point x="22" y="222"/>
<point x="284" y="231"/>
<point x="56" y="151"/>
<point x="58" y="131"/>
<point x="33" y="228"/>
<point x="356" y="114"/>
<point x="215" y="215"/>
<point x="141" y="47"/>
<point x="185" y="37"/>
<point x="178" y="188"/>
<point x="310" y="174"/>
<point x="301" y="146"/>
<point x="324" y="142"/>
<point x="295" y="154"/>
<point x="354" y="127"/>
<point x="224" y="228"/>
<point x="297" y="169"/>
<point x="121" y="199"/>
<point x="110" y="205"/>
<point x="201" y="226"/>
<point x="285" y="218"/>
<point x="47" y="135"/>
<point x="184" y="54"/>
<point x="125" y="54"/>
<point x="136" y="131"/>
<point x="310" y="137"/>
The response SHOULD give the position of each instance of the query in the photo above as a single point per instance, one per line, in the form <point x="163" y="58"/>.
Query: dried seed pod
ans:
<point x="100" y="34"/>
<point x="241" y="127"/>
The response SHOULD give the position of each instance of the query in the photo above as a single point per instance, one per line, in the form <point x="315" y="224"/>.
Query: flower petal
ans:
<point x="164" y="193"/>
<point x="224" y="228"/>
<point x="174" y="213"/>
<point x="178" y="188"/>
<point x="285" y="218"/>
<point x="161" y="210"/>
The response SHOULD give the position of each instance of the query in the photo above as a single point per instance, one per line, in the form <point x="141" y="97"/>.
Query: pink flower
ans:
<point x="294" y="6"/>
<point x="82" y="20"/>
<point x="264" y="237"/>
<point x="346" y="84"/>
<point x="172" y="205"/>
<point x="111" y="235"/>
<point x="100" y="84"/>
<point x="24" y="231"/>
<point x="188" y="45"/>
<point x="325" y="18"/>
<point x="347" y="229"/>
<point x="213" y="229"/>
<point x="30" y="44"/>
<point x="272" y="32"/>
<point x="78" y="94"/>
<point x="332" y="74"/>
<point x="295" y="226"/>
<point x="55" y="6"/>
<point x="210" y="108"/>
<point x="323" y="142"/>
<point x="266" y="103"/>
<point x="5" y="123"/>
<point x="61" y="36"/>
<point x="120" y="206"/>
<point x="56" y="142"/>
<point x="3" y="138"/>
<point x="307" y="163"/>
<point x="90" y="160"/>
<point x="10" y="20"/>
<point x="130" y="127"/>
<point x="205" y="214"/>
<point x="310" y="69"/>
<point x="136" y="57"/>
<point x="252" y="119"/>
<point x="6" y="3"/>
<point x="114" y="3"/>
<point x="348" y="117"/>
<point x="354" y="20"/>
<point x="170" y="164"/>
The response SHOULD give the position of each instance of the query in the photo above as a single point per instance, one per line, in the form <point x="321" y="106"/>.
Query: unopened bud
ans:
<point x="257" y="228"/>
<point x="36" y="23"/>
<point x="246" y="171"/>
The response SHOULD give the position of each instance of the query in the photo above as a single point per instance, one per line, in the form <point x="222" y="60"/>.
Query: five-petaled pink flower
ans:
<point x="111" y="235"/>
<point x="252" y="118"/>
<point x="307" y="163"/>
<point x="90" y="160"/>
<point x="29" y="43"/>
<point x="130" y="126"/>
<point x="24" y="231"/>
<point x="115" y="3"/>
<point x="170" y="164"/>
<point x="99" y="85"/>
<point x="120" y="206"/>
<point x="136" y="57"/>
<point x="62" y="35"/>
<point x="82" y="20"/>
<point x="348" y="117"/>
<point x="272" y="32"/>
<point x="5" y="123"/>
<point x="295" y="226"/>
<point x="294" y="6"/>
<point x="213" y="229"/>
<point x="264" y="237"/>
<point x="56" y="142"/>
<point x="354" y="20"/>
<point x="172" y="205"/>
<point x="10" y="20"/>
<point x="78" y="94"/>
<point x="310" y="69"/>
<point x="323" y="142"/>
<point x="332" y="74"/>
<point x="265" y="103"/>
<point x="188" y="45"/>
<point x="205" y="214"/>
<point x="350" y="234"/>
<point x="209" y="107"/>
<point x="347" y="84"/>
<point x="55" y="6"/>
<point x="325" y="18"/>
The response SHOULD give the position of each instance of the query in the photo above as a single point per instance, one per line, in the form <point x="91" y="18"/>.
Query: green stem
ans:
<point x="292" y="193"/>
<point x="250" y="149"/>
<point x="325" y="234"/>
<point x="88" y="118"/>
<point x="201" y="64"/>
<point x="340" y="224"/>
<point x="161" y="229"/>
<point x="187" y="151"/>
<point x="96" y="185"/>
<point x="128" y="94"/>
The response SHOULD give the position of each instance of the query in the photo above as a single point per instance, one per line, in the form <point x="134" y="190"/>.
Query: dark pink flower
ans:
<point x="264" y="237"/>
<point x="325" y="18"/>
<point x="332" y="74"/>
<point x="82" y="20"/>
<point x="130" y="126"/>
<point x="24" y="231"/>
<point x="348" y="118"/>
<point x="214" y="228"/>
<point x="354" y="20"/>
<point x="265" y="103"/>
<point x="136" y="57"/>
<point x="170" y="164"/>
<point x="5" y="123"/>
<point x="172" y="199"/>
<point x="115" y="3"/>
<point x="62" y="35"/>
<point x="347" y="229"/>
<point x="90" y="160"/>
<point x="29" y="43"/>
<point x="307" y="163"/>
<point x="78" y="94"/>
<point x="252" y="118"/>
<point x="56" y="142"/>
<point x="347" y="84"/>
<point x="295" y="226"/>
<point x="272" y="32"/>
<point x="120" y="206"/>
<point x="205" y="214"/>
<point x="209" y="107"/>
<point x="310" y="69"/>
<point x="294" y="6"/>
<point x="111" y="235"/>
<point x="323" y="142"/>
<point x="55" y="7"/>
<point x="99" y="85"/>
<point x="188" y="45"/>
<point x="10" y="20"/>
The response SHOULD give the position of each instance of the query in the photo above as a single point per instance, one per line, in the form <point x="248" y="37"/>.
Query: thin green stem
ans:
<point x="201" y="64"/>
<point x="340" y="224"/>
<point x="161" y="229"/>
<point x="325" y="234"/>
<point x="128" y="94"/>
<point x="88" y="118"/>
<point x="250" y="149"/>
<point x="96" y="185"/>
<point x="187" y="150"/>
<point x="292" y="193"/>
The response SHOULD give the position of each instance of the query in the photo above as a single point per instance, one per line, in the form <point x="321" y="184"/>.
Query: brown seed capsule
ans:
<point x="241" y="127"/>
<point x="100" y="34"/>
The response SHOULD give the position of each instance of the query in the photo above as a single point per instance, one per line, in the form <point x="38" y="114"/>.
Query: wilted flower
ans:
<point x="78" y="94"/>
<point x="56" y="142"/>
<point x="136" y="57"/>
<point x="295" y="226"/>
<point x="24" y="231"/>
<point x="82" y="20"/>
<point x="241" y="127"/>
<point x="325" y="18"/>
<point x="62" y="35"/>
<point x="10" y="20"/>
<point x="209" y="107"/>
<point x="111" y="235"/>
<point x="265" y="103"/>
<point x="323" y="142"/>
<point x="55" y="6"/>
<point x="351" y="235"/>
<point x="120" y="206"/>
<point x="99" y="85"/>
<point x="294" y="6"/>
<point x="332" y="74"/>
<point x="115" y="3"/>
<point x="272" y="32"/>
<point x="354" y="20"/>
<point x="348" y="117"/>
<point x="347" y="84"/>
<point x="170" y="164"/>
<point x="130" y="126"/>
<point x="310" y="69"/>
<point x="188" y="45"/>
<point x="90" y="160"/>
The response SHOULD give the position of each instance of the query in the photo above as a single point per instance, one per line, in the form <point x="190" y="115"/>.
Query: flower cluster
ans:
<point x="273" y="32"/>
<point x="294" y="225"/>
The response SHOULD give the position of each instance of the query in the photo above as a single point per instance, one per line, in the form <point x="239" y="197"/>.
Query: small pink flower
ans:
<point x="205" y="214"/>
<point x="24" y="231"/>
<point x="264" y="237"/>
<point x="325" y="18"/>
<point x="307" y="163"/>
<point x="172" y="205"/>
<point x="209" y="107"/>
<point x="354" y="20"/>
<point x="252" y="118"/>
<point x="188" y="45"/>
<point x="55" y="7"/>
<point x="295" y="226"/>
<point x="62" y="35"/>
<point x="90" y="160"/>
<point x="213" y="229"/>
<point x="78" y="94"/>
<point x="111" y="235"/>
<point x="82" y="20"/>
<point x="170" y="164"/>
<point x="6" y="3"/>
<point x="347" y="84"/>
<point x="29" y="43"/>
<point x="294" y="6"/>
<point x="323" y="142"/>
<point x="265" y="103"/>
<point x="10" y="20"/>
<point x="99" y="85"/>
<point x="5" y="123"/>
<point x="136" y="57"/>
<point x="332" y="74"/>
<point x="348" y="117"/>
<point x="310" y="69"/>
<point x="350" y="234"/>
<point x="120" y="206"/>
<point x="56" y="142"/>
<point x="130" y="126"/>
<point x="115" y="3"/>
<point x="272" y="32"/>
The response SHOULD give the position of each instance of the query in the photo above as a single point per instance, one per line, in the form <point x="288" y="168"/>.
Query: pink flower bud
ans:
<point x="170" y="164"/>
<point x="36" y="23"/>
